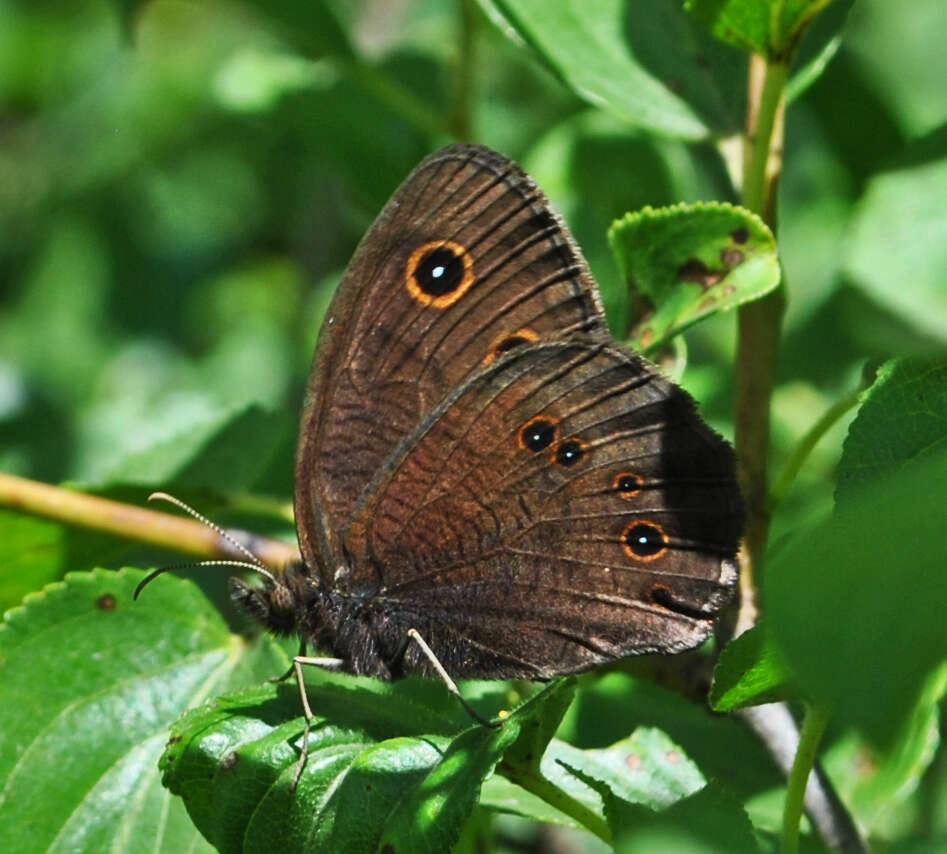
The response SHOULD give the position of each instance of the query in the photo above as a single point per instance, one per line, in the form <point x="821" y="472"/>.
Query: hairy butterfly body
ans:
<point x="478" y="461"/>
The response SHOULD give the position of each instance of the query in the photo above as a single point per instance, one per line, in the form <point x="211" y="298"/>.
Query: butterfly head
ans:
<point x="276" y="604"/>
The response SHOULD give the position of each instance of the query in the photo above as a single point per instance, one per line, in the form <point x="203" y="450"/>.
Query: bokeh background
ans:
<point x="182" y="184"/>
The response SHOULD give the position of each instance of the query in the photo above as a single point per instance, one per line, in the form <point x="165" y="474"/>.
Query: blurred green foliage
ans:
<point x="182" y="183"/>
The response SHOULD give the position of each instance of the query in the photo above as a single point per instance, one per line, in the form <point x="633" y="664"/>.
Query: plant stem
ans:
<point x="758" y="327"/>
<point x="807" y="443"/>
<point x="813" y="728"/>
<point x="136" y="523"/>
<point x="461" y="118"/>
<point x="396" y="97"/>
<point x="535" y="783"/>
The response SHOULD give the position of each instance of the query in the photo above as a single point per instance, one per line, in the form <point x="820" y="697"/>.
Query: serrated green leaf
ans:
<point x="383" y="768"/>
<point x="711" y="817"/>
<point x="768" y="27"/>
<point x="645" y="768"/>
<point x="903" y="417"/>
<point x="751" y="671"/>
<point x="535" y="735"/>
<point x="608" y="54"/>
<point x="856" y="603"/>
<point x="89" y="683"/>
<point x="685" y="262"/>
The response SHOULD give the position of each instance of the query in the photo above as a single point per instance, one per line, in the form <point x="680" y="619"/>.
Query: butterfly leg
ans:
<point x="415" y="635"/>
<point x="292" y="667"/>
<point x="297" y="668"/>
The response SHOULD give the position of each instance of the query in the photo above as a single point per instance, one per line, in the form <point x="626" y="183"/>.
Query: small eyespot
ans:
<point x="439" y="273"/>
<point x="569" y="452"/>
<point x="627" y="485"/>
<point x="507" y="342"/>
<point x="644" y="541"/>
<point x="538" y="433"/>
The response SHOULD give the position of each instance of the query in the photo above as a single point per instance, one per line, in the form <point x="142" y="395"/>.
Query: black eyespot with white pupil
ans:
<point x="570" y="452"/>
<point x="439" y="272"/>
<point x="644" y="540"/>
<point x="538" y="434"/>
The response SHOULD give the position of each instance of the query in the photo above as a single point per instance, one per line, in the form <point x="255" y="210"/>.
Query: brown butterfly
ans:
<point x="485" y="480"/>
<point x="480" y="462"/>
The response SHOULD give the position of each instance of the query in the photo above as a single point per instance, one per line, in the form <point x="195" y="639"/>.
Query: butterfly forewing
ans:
<point x="467" y="263"/>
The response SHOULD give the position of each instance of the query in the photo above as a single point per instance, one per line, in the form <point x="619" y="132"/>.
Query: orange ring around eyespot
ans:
<point x="527" y="334"/>
<point x="630" y="493"/>
<point x="444" y="300"/>
<point x="634" y="524"/>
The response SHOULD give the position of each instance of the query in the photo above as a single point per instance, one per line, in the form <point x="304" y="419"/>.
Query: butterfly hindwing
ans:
<point x="564" y="506"/>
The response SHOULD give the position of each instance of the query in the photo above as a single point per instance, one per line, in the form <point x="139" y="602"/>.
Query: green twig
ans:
<point x="759" y="325"/>
<point x="397" y="97"/>
<point x="461" y="118"/>
<point x="813" y="728"/>
<point x="535" y="783"/>
<point x="802" y="450"/>
<point x="136" y="523"/>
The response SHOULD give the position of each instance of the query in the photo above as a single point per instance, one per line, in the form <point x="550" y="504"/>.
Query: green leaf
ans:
<point x="685" y="262"/>
<point x="897" y="247"/>
<point x="856" y="603"/>
<point x="768" y="27"/>
<point x="818" y="48"/>
<point x="895" y="775"/>
<point x="708" y="814"/>
<point x="706" y="822"/>
<point x="89" y="683"/>
<point x="383" y="767"/>
<point x="615" y="704"/>
<point x="645" y="768"/>
<point x="647" y="64"/>
<point x="903" y="417"/>
<point x="214" y="452"/>
<point x="312" y="25"/>
<point x="30" y="554"/>
<point x="751" y="671"/>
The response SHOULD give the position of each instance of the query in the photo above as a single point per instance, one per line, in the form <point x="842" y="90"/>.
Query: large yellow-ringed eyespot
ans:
<point x="439" y="273"/>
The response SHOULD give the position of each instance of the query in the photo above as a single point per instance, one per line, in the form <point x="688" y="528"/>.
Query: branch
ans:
<point x="136" y="523"/>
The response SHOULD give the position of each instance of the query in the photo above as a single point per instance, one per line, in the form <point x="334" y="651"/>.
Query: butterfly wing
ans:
<point x="563" y="507"/>
<point x="466" y="262"/>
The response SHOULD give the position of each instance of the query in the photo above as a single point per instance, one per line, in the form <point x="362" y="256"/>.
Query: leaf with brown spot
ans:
<point x="690" y="261"/>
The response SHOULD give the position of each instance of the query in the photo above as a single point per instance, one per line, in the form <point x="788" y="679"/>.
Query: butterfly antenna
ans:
<point x="254" y="563"/>
<point x="240" y="564"/>
<point x="177" y="502"/>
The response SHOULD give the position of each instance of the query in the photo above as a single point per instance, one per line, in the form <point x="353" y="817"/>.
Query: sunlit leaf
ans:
<point x="685" y="262"/>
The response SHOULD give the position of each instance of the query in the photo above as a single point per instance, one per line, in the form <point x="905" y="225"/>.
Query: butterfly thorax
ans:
<point x="356" y="628"/>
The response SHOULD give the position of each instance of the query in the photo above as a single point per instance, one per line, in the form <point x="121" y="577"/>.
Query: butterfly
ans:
<point x="482" y="467"/>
